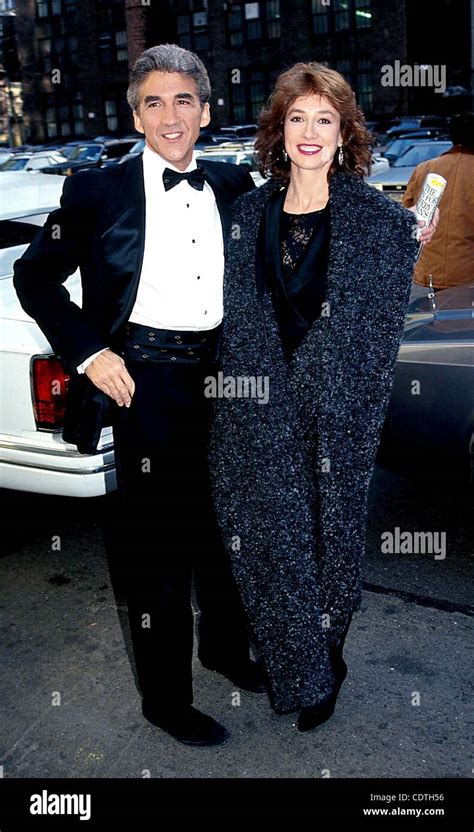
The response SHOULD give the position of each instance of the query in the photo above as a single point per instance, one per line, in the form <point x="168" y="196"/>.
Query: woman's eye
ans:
<point x="296" y="118"/>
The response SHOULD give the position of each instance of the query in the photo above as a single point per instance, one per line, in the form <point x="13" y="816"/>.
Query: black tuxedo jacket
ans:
<point x="100" y="228"/>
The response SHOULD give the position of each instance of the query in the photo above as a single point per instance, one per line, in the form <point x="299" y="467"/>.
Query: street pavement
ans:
<point x="405" y="709"/>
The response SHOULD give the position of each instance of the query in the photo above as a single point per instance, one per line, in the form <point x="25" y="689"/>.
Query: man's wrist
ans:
<point x="83" y="367"/>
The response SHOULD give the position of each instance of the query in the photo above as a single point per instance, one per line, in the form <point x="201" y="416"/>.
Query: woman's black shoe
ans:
<point x="188" y="725"/>
<point x="314" y="715"/>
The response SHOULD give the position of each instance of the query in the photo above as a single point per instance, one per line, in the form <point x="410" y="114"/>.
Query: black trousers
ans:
<point x="166" y="532"/>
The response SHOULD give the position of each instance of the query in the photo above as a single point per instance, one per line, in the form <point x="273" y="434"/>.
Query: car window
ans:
<point x="221" y="157"/>
<point x="86" y="153"/>
<point x="40" y="162"/>
<point x="114" y="151"/>
<point x="421" y="153"/>
<point x="14" y="164"/>
<point x="20" y="232"/>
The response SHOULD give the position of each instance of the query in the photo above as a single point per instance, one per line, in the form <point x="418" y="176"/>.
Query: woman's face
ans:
<point x="312" y="132"/>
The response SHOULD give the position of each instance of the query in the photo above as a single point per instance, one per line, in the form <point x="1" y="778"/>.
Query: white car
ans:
<point x="32" y="162"/>
<point x="234" y="154"/>
<point x="33" y="455"/>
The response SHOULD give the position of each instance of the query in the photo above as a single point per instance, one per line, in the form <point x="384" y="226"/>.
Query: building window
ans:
<point x="121" y="46"/>
<point x="193" y="30"/>
<point x="273" y="19"/>
<point x="111" y="115"/>
<point x="251" y="22"/>
<point x="249" y="96"/>
<point x="42" y="8"/>
<point x="235" y="36"/>
<point x="345" y="68"/>
<point x="341" y="15"/>
<point x="51" y="124"/>
<point x="363" y="85"/>
<point x="359" y="75"/>
<point x="320" y="17"/>
<point x="105" y="48"/>
<point x="64" y="119"/>
<point x="363" y="14"/>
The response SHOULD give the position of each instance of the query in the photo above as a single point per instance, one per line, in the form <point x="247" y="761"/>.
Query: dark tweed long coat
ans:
<point x="290" y="478"/>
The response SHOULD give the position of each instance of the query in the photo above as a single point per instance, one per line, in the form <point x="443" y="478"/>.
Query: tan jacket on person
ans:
<point x="450" y="254"/>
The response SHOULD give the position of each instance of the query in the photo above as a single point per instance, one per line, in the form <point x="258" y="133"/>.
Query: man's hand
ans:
<point x="427" y="233"/>
<point x="109" y="373"/>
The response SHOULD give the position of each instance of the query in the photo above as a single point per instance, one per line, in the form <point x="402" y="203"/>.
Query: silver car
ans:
<point x="431" y="412"/>
<point x="394" y="181"/>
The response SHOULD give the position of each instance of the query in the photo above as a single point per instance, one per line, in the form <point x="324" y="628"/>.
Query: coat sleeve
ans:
<point x="59" y="248"/>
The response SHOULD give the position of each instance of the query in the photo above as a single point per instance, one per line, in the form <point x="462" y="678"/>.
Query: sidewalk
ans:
<point x="61" y="633"/>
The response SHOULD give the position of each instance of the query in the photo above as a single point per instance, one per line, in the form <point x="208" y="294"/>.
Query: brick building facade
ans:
<point x="244" y="45"/>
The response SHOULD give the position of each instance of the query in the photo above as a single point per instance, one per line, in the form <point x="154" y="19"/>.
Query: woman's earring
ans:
<point x="285" y="155"/>
<point x="340" y="158"/>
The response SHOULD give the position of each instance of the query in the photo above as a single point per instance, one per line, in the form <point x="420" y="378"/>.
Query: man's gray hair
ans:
<point x="168" y="58"/>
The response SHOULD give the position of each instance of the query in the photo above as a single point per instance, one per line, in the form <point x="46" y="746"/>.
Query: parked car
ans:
<point x="394" y="181"/>
<point x="435" y="420"/>
<point x="241" y="132"/>
<point x="236" y="154"/>
<point x="33" y="455"/>
<point x="93" y="155"/>
<point x="33" y="162"/>
<point x="212" y="138"/>
<point x="379" y="163"/>
<point x="397" y="147"/>
<point x="407" y="123"/>
<point x="135" y="150"/>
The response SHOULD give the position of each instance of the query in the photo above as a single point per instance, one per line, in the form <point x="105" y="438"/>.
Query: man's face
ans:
<point x="170" y="115"/>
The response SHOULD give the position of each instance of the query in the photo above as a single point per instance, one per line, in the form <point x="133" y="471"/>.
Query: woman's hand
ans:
<point x="427" y="233"/>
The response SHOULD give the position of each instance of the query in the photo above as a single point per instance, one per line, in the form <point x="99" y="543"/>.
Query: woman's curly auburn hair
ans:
<point x="305" y="79"/>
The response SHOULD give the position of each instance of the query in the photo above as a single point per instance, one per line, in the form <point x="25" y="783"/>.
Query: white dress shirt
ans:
<point x="181" y="279"/>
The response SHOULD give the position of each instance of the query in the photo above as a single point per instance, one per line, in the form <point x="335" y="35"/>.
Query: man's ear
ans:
<point x="137" y="123"/>
<point x="205" y="115"/>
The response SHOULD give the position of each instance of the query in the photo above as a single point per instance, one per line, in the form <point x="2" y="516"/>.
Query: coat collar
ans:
<point x="345" y="203"/>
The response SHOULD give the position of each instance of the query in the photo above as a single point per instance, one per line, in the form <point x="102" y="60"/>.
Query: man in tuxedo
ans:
<point x="149" y="237"/>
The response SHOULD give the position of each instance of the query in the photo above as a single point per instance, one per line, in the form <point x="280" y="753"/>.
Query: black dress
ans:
<point x="296" y="257"/>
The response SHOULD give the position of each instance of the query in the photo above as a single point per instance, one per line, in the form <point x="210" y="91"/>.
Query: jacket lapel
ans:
<point x="123" y="243"/>
<point x="221" y="195"/>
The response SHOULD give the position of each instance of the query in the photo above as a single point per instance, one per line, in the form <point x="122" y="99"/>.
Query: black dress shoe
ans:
<point x="312" y="716"/>
<point x="248" y="676"/>
<point x="188" y="725"/>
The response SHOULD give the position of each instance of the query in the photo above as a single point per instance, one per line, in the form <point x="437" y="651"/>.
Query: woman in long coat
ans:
<point x="315" y="292"/>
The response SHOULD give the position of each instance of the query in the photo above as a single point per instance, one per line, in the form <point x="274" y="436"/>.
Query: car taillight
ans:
<point x="50" y="386"/>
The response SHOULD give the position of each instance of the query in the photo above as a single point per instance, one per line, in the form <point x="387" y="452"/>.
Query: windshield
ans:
<point x="14" y="164"/>
<point x="421" y="153"/>
<point x="85" y="152"/>
<point x="221" y="157"/>
<point x="394" y="148"/>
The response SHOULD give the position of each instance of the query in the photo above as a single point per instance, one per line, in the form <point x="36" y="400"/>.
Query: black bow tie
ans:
<point x="194" y="177"/>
